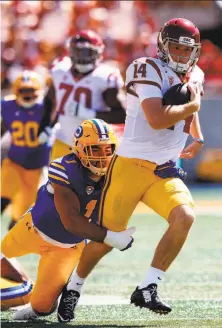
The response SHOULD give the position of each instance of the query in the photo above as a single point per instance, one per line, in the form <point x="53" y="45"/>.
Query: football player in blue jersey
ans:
<point x="64" y="215"/>
<point x="22" y="169"/>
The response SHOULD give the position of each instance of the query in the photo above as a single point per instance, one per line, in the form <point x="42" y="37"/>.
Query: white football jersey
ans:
<point x="148" y="78"/>
<point x="77" y="100"/>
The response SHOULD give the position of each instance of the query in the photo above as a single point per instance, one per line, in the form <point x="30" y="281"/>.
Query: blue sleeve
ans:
<point x="57" y="174"/>
<point x="5" y="113"/>
<point x="3" y="109"/>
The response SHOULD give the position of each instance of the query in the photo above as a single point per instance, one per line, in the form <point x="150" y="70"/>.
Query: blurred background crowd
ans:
<point x="34" y="32"/>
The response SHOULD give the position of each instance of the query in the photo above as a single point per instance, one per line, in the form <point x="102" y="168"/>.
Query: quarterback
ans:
<point x="65" y="215"/>
<point x="82" y="88"/>
<point x="154" y="137"/>
<point x="21" y="170"/>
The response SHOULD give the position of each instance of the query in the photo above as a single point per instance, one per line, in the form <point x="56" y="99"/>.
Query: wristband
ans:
<point x="199" y="140"/>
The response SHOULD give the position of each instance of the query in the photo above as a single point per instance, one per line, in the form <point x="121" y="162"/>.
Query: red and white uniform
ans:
<point x="149" y="78"/>
<point x="77" y="100"/>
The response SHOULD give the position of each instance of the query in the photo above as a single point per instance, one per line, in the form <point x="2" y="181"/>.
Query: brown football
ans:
<point x="179" y="94"/>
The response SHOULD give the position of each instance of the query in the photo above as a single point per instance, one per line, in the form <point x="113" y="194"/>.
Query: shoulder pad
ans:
<point x="61" y="65"/>
<point x="109" y="76"/>
<point x="103" y="71"/>
<point x="144" y="71"/>
<point x="198" y="72"/>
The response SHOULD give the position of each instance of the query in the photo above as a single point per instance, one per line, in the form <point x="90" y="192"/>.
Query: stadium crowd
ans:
<point x="34" y="33"/>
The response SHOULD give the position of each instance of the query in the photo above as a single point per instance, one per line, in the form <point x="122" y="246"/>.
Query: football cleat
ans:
<point x="67" y="304"/>
<point x="25" y="314"/>
<point x="148" y="298"/>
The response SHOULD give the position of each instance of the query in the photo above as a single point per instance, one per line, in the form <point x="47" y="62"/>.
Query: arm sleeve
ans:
<point x="57" y="174"/>
<point x="145" y="91"/>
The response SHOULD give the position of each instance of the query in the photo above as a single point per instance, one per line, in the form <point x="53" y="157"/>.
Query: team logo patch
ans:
<point x="89" y="189"/>
<point x="171" y="80"/>
<point x="79" y="132"/>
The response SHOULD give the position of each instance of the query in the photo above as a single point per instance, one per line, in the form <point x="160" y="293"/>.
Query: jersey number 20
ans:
<point x="25" y="134"/>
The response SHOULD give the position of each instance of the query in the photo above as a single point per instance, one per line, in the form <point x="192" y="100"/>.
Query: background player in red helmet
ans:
<point x="82" y="87"/>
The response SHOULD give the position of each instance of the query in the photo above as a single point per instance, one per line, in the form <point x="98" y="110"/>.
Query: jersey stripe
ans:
<point x="105" y="189"/>
<point x="57" y="178"/>
<point x="16" y="291"/>
<point x="58" y="165"/>
<point x="155" y="66"/>
<point x="103" y="133"/>
<point x="104" y="126"/>
<point x="60" y="174"/>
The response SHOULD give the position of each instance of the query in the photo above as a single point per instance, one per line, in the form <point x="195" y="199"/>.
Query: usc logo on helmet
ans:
<point x="94" y="144"/>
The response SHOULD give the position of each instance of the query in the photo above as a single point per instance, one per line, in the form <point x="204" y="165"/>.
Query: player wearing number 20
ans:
<point x="21" y="171"/>
<point x="64" y="214"/>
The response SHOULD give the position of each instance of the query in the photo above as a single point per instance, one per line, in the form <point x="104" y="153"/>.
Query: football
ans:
<point x="179" y="94"/>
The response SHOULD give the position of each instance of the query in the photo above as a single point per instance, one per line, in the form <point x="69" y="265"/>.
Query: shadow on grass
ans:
<point x="45" y="323"/>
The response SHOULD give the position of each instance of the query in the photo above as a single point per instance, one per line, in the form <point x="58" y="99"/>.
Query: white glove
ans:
<point x="121" y="240"/>
<point x="45" y="135"/>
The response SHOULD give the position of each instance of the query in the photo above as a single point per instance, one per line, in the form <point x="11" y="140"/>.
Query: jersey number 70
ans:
<point x="68" y="88"/>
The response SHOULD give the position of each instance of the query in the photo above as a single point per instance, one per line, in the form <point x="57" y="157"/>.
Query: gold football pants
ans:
<point x="60" y="149"/>
<point x="20" y="186"/>
<point x="55" y="265"/>
<point x="130" y="181"/>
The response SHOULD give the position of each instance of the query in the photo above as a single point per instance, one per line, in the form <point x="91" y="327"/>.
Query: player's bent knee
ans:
<point x="43" y="308"/>
<point x="182" y="218"/>
<point x="100" y="248"/>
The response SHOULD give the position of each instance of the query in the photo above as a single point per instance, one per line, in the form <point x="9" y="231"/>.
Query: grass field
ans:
<point x="193" y="284"/>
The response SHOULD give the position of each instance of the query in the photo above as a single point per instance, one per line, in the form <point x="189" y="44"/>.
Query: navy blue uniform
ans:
<point x="67" y="172"/>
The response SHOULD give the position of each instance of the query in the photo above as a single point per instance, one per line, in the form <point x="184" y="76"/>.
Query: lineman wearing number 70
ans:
<point x="64" y="215"/>
<point x="83" y="87"/>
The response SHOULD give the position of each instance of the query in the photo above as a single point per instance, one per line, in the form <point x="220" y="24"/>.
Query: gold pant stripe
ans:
<point x="106" y="187"/>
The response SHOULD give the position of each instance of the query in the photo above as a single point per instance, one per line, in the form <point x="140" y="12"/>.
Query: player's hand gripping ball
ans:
<point x="179" y="94"/>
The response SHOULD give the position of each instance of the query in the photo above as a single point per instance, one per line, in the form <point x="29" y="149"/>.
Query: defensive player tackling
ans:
<point x="65" y="215"/>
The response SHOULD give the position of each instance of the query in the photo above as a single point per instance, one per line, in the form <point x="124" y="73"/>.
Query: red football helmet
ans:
<point x="180" y="31"/>
<point x="85" y="50"/>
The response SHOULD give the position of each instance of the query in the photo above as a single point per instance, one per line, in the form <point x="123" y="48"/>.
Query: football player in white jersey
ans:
<point x="144" y="168"/>
<point x="82" y="88"/>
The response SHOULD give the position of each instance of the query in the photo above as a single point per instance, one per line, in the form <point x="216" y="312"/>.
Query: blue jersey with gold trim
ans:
<point x="23" y="125"/>
<point x="66" y="171"/>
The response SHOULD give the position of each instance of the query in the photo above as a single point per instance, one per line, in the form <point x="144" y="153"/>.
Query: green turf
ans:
<point x="193" y="284"/>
